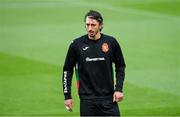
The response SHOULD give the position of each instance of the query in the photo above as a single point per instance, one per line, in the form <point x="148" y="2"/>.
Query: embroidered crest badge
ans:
<point x="105" y="47"/>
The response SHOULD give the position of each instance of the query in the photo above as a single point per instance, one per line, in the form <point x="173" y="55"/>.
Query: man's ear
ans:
<point x="101" y="27"/>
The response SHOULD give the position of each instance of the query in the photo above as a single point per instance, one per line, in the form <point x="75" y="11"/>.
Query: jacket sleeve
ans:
<point x="118" y="59"/>
<point x="69" y="64"/>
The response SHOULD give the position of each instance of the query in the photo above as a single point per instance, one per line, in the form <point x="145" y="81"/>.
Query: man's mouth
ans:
<point x="91" y="32"/>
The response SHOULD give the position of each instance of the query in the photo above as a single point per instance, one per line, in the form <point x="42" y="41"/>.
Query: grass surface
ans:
<point x="34" y="37"/>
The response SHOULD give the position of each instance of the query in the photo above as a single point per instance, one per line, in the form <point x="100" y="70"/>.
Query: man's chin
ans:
<point x="92" y="36"/>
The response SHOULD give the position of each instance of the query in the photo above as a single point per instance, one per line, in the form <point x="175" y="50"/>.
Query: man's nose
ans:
<point x="89" y="27"/>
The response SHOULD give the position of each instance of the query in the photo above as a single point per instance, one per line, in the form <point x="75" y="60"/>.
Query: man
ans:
<point x="93" y="56"/>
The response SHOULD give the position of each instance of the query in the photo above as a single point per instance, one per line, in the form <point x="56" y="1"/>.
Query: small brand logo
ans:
<point x="85" y="48"/>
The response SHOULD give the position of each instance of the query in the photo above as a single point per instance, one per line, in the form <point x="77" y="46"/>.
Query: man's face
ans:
<point x="92" y="27"/>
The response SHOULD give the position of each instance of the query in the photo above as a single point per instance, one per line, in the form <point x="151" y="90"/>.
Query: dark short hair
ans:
<point x="94" y="15"/>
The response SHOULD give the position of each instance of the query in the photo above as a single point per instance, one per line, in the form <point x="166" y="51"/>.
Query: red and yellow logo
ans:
<point x="105" y="47"/>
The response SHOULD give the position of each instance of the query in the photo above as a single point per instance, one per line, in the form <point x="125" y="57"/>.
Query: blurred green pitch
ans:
<point x="35" y="35"/>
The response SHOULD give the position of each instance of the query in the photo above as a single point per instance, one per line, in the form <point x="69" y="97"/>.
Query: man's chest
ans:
<point x="99" y="51"/>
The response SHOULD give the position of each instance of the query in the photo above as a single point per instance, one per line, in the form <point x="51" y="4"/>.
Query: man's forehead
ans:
<point x="91" y="20"/>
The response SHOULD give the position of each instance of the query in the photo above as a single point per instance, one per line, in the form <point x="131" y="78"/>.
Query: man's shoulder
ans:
<point x="77" y="41"/>
<point x="109" y="38"/>
<point x="80" y="39"/>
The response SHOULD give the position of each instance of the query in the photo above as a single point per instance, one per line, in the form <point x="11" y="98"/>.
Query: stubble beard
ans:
<point x="93" y="36"/>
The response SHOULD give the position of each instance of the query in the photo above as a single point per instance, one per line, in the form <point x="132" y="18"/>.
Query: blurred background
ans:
<point x="35" y="35"/>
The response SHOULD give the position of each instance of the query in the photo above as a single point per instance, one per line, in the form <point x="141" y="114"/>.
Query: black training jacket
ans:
<point x="93" y="61"/>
